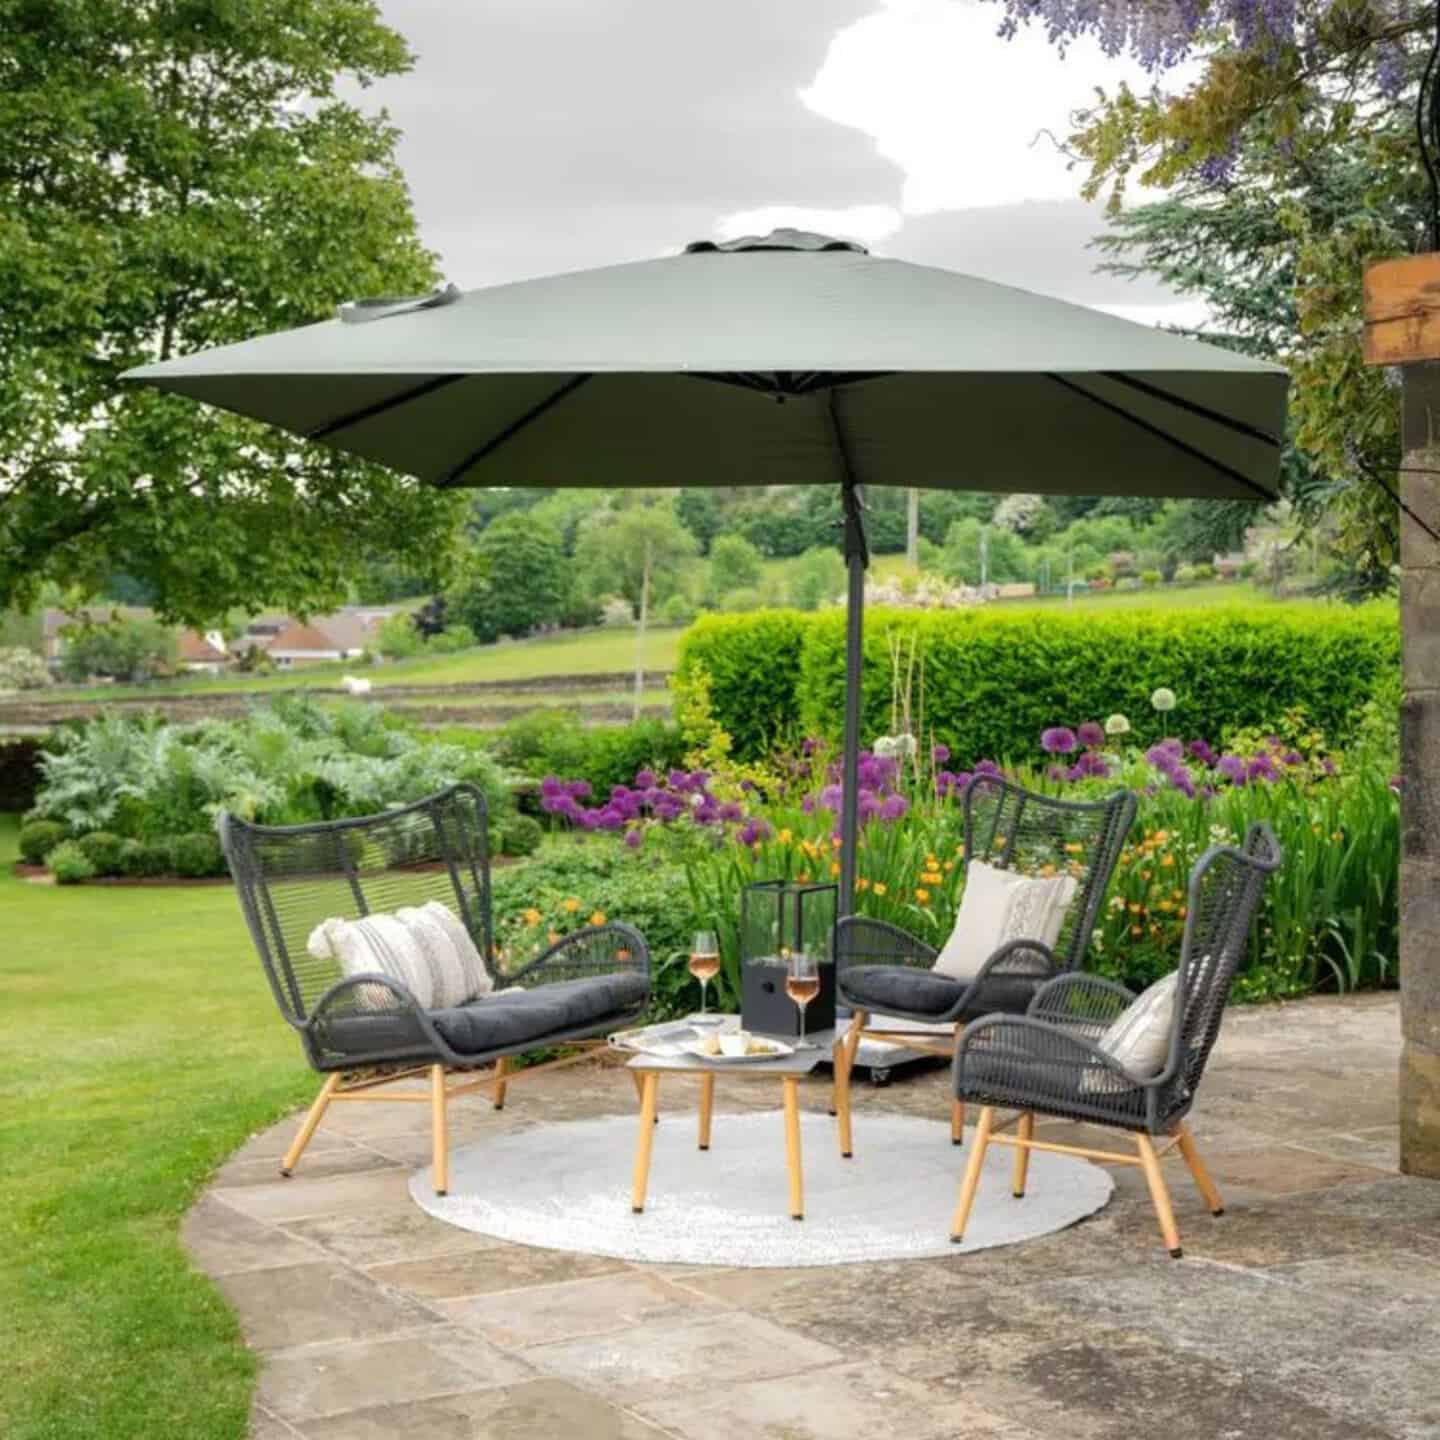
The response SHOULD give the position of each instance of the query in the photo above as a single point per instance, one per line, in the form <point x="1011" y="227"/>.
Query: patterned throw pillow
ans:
<point x="476" y="980"/>
<point x="380" y="945"/>
<point x="999" y="906"/>
<point x="1138" y="1038"/>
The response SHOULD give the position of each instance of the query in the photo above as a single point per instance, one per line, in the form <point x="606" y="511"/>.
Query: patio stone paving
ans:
<point x="1309" y="1310"/>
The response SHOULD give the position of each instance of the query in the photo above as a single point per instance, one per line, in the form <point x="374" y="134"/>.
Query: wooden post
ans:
<point x="1402" y="327"/>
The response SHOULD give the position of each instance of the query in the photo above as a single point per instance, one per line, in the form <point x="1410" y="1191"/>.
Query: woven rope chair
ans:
<point x="883" y="969"/>
<point x="1048" y="1062"/>
<point x="364" y="1031"/>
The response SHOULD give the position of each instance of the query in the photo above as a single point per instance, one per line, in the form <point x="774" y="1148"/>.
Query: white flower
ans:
<point x="905" y="745"/>
<point x="1117" y="724"/>
<point x="1163" y="699"/>
<point x="884" y="747"/>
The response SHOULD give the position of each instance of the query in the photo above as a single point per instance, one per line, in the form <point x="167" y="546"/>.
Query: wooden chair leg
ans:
<point x="971" y="1183"/>
<point x="845" y="1053"/>
<point x="1024" y="1131"/>
<point x="957" y="1122"/>
<point x="649" y="1096"/>
<point x="1203" y="1183"/>
<point x="707" y="1106"/>
<point x="502" y="1068"/>
<point x="1159" y="1195"/>
<point x="792" y="1147"/>
<point x="312" y="1120"/>
<point x="439" y="1137"/>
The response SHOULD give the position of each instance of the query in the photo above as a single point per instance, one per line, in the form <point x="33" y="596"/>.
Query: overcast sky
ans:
<point x="544" y="135"/>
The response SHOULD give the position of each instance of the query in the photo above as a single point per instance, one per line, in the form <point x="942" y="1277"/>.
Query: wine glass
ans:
<point x="705" y="964"/>
<point x="802" y="983"/>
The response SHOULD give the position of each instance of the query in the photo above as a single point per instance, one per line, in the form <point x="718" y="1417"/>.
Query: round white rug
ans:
<point x="567" y="1187"/>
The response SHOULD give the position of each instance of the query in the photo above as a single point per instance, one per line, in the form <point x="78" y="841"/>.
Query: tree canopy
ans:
<point x="177" y="175"/>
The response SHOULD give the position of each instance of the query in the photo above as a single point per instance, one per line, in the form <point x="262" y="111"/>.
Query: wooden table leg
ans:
<point x="957" y="1122"/>
<point x="792" y="1147"/>
<point x="649" y="1097"/>
<point x="502" y="1068"/>
<point x="844" y="1058"/>
<point x="1025" y="1130"/>
<point x="707" y="1105"/>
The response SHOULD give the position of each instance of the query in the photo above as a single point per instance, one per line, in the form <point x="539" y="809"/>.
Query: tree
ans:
<point x="734" y="565"/>
<point x="1289" y="158"/>
<point x="515" y="581"/>
<point x="176" y="176"/>
<point x="118" y="650"/>
<point x="976" y="552"/>
<point x="817" y="578"/>
<point x="637" y="552"/>
<point x="700" y="512"/>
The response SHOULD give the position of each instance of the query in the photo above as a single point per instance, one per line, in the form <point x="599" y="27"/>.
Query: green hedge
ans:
<point x="993" y="680"/>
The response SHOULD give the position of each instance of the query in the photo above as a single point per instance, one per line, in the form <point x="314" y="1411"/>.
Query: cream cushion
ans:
<point x="999" y="906"/>
<point x="1139" y="1037"/>
<point x="425" y="948"/>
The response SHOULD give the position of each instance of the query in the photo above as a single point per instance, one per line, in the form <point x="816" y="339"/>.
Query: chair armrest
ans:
<point x="606" y="949"/>
<point x="1019" y="1060"/>
<point x="860" y="940"/>
<point x="1086" y="1003"/>
<point x="341" y="1002"/>
<point x="1015" y="960"/>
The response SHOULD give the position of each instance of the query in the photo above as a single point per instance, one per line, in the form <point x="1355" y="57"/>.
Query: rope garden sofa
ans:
<point x="1062" y="1058"/>
<point x="364" y="1030"/>
<point x="883" y="969"/>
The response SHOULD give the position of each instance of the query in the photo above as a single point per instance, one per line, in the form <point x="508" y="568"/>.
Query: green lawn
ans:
<point x="141" y="1047"/>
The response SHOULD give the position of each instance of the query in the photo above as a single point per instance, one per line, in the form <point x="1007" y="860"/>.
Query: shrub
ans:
<point x="521" y="835"/>
<point x="104" y="851"/>
<point x="69" y="863"/>
<point x="142" y="859"/>
<point x="196" y="856"/>
<point x="1149" y="577"/>
<point x="398" y="636"/>
<point x="994" y="679"/>
<point x="737" y="602"/>
<point x="22" y="669"/>
<point x="119" y="649"/>
<point x="553" y="742"/>
<point x="451" y="639"/>
<point x="38" y="838"/>
<point x="676" y="609"/>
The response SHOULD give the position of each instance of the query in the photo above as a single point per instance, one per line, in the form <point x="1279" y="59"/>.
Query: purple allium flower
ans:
<point x="678" y="779"/>
<point x="588" y="819"/>
<point x="699" y="779"/>
<point x="809" y="745"/>
<point x="869" y="804"/>
<point x="645" y="779"/>
<point x="1180" y="779"/>
<point x="753" y="832"/>
<point x="551" y="785"/>
<point x="1262" y="767"/>
<point x="807" y="805"/>
<point x="1328" y="765"/>
<point x="731" y="810"/>
<point x="1292" y="757"/>
<point x="893" y="807"/>
<point x="831" y="797"/>
<point x="940" y="754"/>
<point x="987" y="767"/>
<point x="634" y="838"/>
<point x="579" y="789"/>
<point x="747" y="786"/>
<point x="1056" y="772"/>
<point x="959" y="781"/>
<point x="1090" y="766"/>
<point x="1202" y="752"/>
<point x="1162" y="758"/>
<point x="1091" y="733"/>
<point x="1057" y="740"/>
<point x="1232" y="767"/>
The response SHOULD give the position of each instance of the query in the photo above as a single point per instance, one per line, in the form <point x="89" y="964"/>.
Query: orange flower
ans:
<point x="783" y="837"/>
<point x="879" y="887"/>
<point x="572" y="904"/>
<point x="1168" y="860"/>
<point x="598" y="918"/>
<point x="531" y="916"/>
<point x="834" y="868"/>
<point x="554" y="937"/>
<point x="923" y="896"/>
<point x="1137" y="929"/>
<point x="804" y="877"/>
<point x="862" y="883"/>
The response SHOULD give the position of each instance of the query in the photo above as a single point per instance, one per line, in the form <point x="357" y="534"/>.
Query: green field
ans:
<point x="142" y="1046"/>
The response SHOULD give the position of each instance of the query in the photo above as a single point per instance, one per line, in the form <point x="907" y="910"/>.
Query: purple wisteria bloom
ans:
<point x="1057" y="740"/>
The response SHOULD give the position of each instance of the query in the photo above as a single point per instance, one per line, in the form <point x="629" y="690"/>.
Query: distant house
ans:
<point x="203" y="653"/>
<point x="343" y="635"/>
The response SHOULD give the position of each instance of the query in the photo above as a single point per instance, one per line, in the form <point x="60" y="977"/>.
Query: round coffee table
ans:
<point x="791" y="1070"/>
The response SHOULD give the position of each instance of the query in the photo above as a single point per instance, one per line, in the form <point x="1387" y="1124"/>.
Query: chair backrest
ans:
<point x="290" y="878"/>
<point x="1016" y="829"/>
<point x="1226" y="887"/>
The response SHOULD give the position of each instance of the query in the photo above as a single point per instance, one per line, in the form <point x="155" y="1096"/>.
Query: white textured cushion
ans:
<point x="478" y="980"/>
<point x="1139" y="1037"/>
<point x="999" y="906"/>
<point x="380" y="945"/>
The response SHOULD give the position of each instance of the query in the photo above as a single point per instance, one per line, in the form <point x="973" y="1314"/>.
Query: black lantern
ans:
<point x="777" y="919"/>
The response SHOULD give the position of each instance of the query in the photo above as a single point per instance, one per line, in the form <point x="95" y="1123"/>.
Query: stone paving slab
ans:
<point x="1307" y="1312"/>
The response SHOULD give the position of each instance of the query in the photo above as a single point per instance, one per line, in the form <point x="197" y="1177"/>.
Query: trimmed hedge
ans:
<point x="38" y="838"/>
<point x="992" y="681"/>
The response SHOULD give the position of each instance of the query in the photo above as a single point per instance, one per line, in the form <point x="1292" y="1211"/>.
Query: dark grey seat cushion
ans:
<point x="908" y="991"/>
<point x="522" y="1017"/>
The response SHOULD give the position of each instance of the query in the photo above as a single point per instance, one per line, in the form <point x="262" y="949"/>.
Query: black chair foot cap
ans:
<point x="957" y="1239"/>
<point x="637" y="1209"/>
<point x="832" y="1112"/>
<point x="847" y="1154"/>
<point x="1176" y="1253"/>
<point x="954" y="1141"/>
<point x="1218" y="1213"/>
<point x="499" y="1107"/>
<point x="797" y="1217"/>
<point x="442" y="1192"/>
<point x="704" y="1147"/>
<point x="1018" y="1194"/>
<point x="285" y="1172"/>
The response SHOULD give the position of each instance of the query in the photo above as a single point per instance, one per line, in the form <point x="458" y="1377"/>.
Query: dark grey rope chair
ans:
<point x="364" y="1031"/>
<point x="1047" y="1061"/>
<point x="883" y="969"/>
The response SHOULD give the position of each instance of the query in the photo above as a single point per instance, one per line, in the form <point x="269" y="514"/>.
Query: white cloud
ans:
<point x="961" y="111"/>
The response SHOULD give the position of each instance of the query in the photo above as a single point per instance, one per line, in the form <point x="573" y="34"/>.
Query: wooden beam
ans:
<point x="1402" y="310"/>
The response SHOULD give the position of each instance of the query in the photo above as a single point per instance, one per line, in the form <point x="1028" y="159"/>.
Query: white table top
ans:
<point x="800" y="1063"/>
